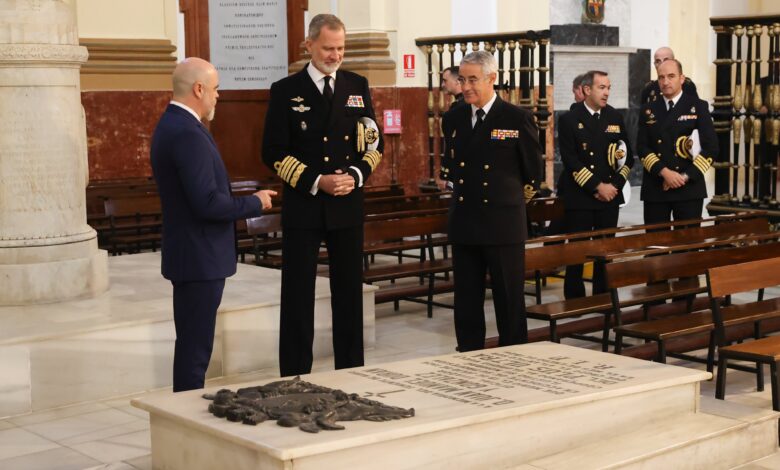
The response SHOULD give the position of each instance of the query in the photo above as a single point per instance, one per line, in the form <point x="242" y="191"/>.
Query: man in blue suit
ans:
<point x="198" y="247"/>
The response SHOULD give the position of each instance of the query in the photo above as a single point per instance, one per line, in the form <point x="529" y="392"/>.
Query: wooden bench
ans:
<point x="546" y="257"/>
<point x="726" y="281"/>
<point x="686" y="264"/>
<point x="380" y="233"/>
<point x="134" y="223"/>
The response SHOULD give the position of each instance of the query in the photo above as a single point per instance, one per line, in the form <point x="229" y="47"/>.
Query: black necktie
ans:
<point x="671" y="105"/>
<point x="596" y="115"/>
<point x="327" y="91"/>
<point x="480" y="117"/>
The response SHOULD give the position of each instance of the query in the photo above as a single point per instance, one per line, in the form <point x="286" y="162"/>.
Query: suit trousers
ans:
<point x="195" y="306"/>
<point x="506" y="264"/>
<point x="300" y="249"/>
<point x="656" y="212"/>
<point x="580" y="221"/>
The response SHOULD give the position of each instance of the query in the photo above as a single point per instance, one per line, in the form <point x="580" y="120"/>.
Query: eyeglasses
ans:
<point x="471" y="80"/>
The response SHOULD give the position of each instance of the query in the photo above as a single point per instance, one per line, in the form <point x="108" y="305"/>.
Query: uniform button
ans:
<point x="346" y="137"/>
<point x="592" y="167"/>
<point x="677" y="168"/>
<point x="462" y="164"/>
<point x="484" y="184"/>
<point x="659" y="154"/>
<point x="591" y="154"/>
<point x="325" y="139"/>
<point x="460" y="199"/>
<point x="487" y="167"/>
<point x="326" y="159"/>
<point x="485" y="201"/>
<point x="347" y="157"/>
<point x="460" y="181"/>
<point x="660" y="141"/>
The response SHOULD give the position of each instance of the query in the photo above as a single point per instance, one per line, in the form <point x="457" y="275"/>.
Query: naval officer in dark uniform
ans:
<point x="597" y="159"/>
<point x="496" y="166"/>
<point x="651" y="91"/>
<point x="673" y="181"/>
<point x="311" y="142"/>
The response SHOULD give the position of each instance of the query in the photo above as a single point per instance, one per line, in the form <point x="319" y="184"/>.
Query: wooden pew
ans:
<point x="723" y="282"/>
<point x="378" y="233"/>
<point x="134" y="223"/>
<point x="547" y="257"/>
<point x="677" y="265"/>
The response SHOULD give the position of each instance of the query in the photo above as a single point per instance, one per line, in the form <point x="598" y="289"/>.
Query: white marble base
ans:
<point x="55" y="280"/>
<point x="499" y="408"/>
<point x="121" y="342"/>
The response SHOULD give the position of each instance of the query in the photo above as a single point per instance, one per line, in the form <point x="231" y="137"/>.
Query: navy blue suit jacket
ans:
<point x="197" y="206"/>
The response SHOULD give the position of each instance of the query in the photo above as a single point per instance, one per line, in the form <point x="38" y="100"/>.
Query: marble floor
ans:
<point x="110" y="434"/>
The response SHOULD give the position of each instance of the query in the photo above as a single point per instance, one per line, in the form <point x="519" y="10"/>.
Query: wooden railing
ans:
<point x="747" y="112"/>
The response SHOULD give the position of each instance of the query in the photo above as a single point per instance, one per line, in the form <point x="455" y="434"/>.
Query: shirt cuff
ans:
<point x="315" y="187"/>
<point x="360" y="176"/>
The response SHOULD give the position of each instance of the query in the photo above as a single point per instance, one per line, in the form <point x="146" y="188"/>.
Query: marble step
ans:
<point x="122" y="341"/>
<point x="722" y="435"/>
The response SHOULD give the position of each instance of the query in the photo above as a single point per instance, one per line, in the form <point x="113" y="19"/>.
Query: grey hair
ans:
<point x="482" y="58"/>
<point x="587" y="79"/>
<point x="326" y="20"/>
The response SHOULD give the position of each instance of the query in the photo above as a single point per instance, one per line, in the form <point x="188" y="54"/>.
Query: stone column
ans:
<point x="48" y="253"/>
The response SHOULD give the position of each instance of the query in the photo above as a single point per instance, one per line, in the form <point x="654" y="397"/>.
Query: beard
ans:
<point x="210" y="116"/>
<point x="326" y="68"/>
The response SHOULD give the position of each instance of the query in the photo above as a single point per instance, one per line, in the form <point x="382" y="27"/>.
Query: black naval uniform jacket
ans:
<point x="302" y="141"/>
<point x="661" y="144"/>
<point x="588" y="151"/>
<point x="495" y="169"/>
<point x="652" y="91"/>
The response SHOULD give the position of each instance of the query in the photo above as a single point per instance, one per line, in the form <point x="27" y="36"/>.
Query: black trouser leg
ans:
<point x="469" y="267"/>
<point x="345" y="248"/>
<point x="507" y="275"/>
<point x="194" y="315"/>
<point x="300" y="248"/>
<point x="586" y="220"/>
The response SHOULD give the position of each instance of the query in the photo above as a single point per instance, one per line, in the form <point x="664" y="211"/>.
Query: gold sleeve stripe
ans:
<point x="297" y="174"/>
<point x="682" y="150"/>
<point x="650" y="160"/>
<point x="293" y="169"/>
<point x="624" y="172"/>
<point x="285" y="166"/>
<point x="285" y="170"/>
<point x="702" y="163"/>
<point x="372" y="157"/>
<point x="582" y="176"/>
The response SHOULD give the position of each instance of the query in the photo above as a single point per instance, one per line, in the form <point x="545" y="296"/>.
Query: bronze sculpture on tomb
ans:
<point x="296" y="402"/>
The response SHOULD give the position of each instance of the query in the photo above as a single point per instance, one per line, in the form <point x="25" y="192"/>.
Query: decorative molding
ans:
<point x="128" y="64"/>
<point x="48" y="53"/>
<point x="367" y="54"/>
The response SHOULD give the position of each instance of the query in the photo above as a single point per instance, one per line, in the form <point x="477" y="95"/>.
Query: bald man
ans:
<point x="198" y="244"/>
<point x="651" y="91"/>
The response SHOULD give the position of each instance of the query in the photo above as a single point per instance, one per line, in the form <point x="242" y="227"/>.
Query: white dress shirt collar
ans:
<point x="485" y="108"/>
<point x="674" y="100"/>
<point x="186" y="108"/>
<point x="591" y="111"/>
<point x="317" y="77"/>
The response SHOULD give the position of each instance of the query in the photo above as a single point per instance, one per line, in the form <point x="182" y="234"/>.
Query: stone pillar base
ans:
<point x="54" y="281"/>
